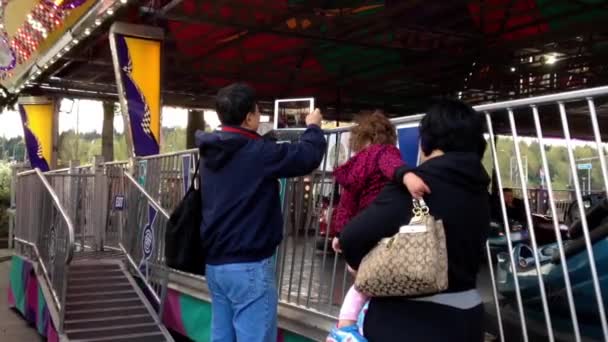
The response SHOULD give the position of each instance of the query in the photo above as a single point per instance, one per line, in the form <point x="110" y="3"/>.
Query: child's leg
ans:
<point x="353" y="303"/>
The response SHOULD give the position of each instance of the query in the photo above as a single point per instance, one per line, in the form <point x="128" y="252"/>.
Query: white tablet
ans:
<point x="291" y="113"/>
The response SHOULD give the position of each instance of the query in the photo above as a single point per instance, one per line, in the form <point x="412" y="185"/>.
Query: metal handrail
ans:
<point x="71" y="235"/>
<point x="71" y="232"/>
<point x="164" y="287"/>
<point x="148" y="197"/>
<point x="67" y="169"/>
<point x="575" y="95"/>
<point x="115" y="162"/>
<point x="169" y="154"/>
<point x="45" y="272"/>
<point x="395" y="121"/>
<point x="570" y="96"/>
<point x="25" y="173"/>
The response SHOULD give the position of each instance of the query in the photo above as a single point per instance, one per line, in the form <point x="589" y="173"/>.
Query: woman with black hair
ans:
<point x="452" y="143"/>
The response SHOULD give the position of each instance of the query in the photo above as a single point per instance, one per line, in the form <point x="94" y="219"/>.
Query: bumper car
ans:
<point x="577" y="263"/>
<point x="544" y="230"/>
<point x="498" y="241"/>
<point x="327" y="229"/>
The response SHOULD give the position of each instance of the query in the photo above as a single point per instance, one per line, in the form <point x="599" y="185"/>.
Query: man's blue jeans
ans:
<point x="244" y="302"/>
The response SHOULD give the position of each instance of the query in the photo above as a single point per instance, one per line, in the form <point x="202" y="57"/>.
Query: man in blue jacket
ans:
<point x="242" y="221"/>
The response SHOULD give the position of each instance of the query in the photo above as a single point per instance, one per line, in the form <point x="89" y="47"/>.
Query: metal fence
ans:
<point x="115" y="183"/>
<point x="142" y="237"/>
<point x="88" y="193"/>
<point x="166" y="177"/>
<point x="559" y="289"/>
<point x="11" y="211"/>
<point x="309" y="274"/>
<point x="75" y="188"/>
<point x="556" y="294"/>
<point x="44" y="232"/>
<point x="547" y="285"/>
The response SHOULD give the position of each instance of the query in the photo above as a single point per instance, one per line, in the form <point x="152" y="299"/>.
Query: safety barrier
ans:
<point x="312" y="277"/>
<point x="165" y="177"/>
<point x="111" y="173"/>
<point x="75" y="190"/>
<point x="142" y="238"/>
<point x="53" y="247"/>
<point x="554" y="292"/>
<point x="11" y="211"/>
<point x="547" y="282"/>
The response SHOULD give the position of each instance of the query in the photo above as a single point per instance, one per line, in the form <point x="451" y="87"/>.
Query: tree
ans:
<point x="5" y="183"/>
<point x="12" y="149"/>
<point x="82" y="148"/>
<point x="534" y="163"/>
<point x="120" y="147"/>
<point x="559" y="167"/>
<point x="5" y="188"/>
<point x="174" y="139"/>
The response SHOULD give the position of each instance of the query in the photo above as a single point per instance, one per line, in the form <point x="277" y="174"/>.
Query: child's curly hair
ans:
<point x="372" y="129"/>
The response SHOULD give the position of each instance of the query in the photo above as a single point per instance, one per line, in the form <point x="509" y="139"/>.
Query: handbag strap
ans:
<point x="420" y="209"/>
<point x="196" y="174"/>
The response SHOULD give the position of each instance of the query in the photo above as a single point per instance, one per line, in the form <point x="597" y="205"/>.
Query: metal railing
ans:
<point x="12" y="212"/>
<point x="142" y="238"/>
<point x="166" y="176"/>
<point x="114" y="180"/>
<point x="45" y="233"/>
<point x="554" y="292"/>
<point x="545" y="301"/>
<point x="312" y="277"/>
<point x="309" y="274"/>
<point x="75" y="188"/>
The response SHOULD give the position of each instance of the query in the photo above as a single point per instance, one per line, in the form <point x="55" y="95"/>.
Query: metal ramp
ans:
<point x="104" y="303"/>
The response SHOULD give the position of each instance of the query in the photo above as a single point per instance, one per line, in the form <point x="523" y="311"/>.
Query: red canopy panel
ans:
<point x="509" y="19"/>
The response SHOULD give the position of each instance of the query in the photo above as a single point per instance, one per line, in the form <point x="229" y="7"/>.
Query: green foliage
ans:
<point x="81" y="147"/>
<point x="559" y="164"/>
<point x="5" y="188"/>
<point x="12" y="149"/>
<point x="85" y="147"/>
<point x="174" y="139"/>
<point x="5" y="183"/>
<point x="121" y="151"/>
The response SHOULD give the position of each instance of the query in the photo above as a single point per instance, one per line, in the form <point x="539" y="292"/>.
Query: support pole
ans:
<point x="196" y="121"/>
<point x="107" y="132"/>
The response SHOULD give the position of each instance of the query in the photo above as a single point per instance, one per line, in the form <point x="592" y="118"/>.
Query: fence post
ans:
<point x="100" y="203"/>
<point x="75" y="200"/>
<point x="12" y="211"/>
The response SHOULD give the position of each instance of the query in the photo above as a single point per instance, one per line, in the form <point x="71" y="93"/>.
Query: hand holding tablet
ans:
<point x="292" y="113"/>
<point x="314" y="118"/>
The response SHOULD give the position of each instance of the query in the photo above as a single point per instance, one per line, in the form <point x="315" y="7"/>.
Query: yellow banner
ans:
<point x="138" y="64"/>
<point x="145" y="59"/>
<point x="38" y="126"/>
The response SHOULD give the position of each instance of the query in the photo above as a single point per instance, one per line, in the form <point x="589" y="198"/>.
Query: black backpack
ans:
<point x="184" y="248"/>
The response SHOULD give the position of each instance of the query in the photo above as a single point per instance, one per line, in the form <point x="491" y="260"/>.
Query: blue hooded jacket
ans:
<point x="242" y="219"/>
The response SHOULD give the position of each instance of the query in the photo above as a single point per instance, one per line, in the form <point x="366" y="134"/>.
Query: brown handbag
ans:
<point x="413" y="262"/>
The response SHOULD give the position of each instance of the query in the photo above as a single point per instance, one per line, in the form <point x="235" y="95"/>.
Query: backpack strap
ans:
<point x="196" y="173"/>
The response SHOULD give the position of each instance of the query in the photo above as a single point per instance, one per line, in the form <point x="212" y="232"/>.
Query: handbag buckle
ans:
<point x="420" y="209"/>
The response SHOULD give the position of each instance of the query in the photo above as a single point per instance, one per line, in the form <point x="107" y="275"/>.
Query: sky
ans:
<point x="88" y="116"/>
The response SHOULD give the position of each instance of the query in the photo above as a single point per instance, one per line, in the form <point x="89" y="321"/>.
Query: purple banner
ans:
<point x="144" y="142"/>
<point x="34" y="149"/>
